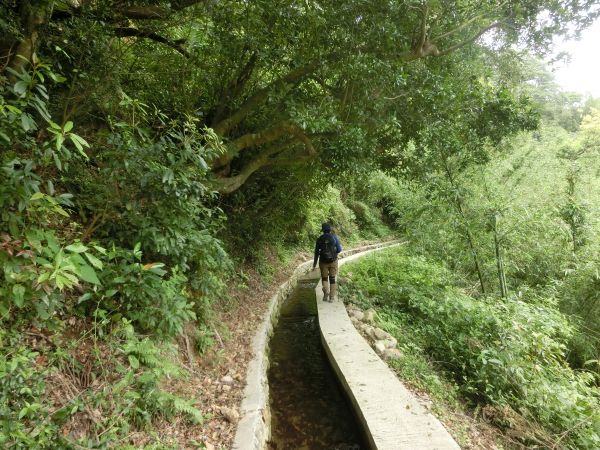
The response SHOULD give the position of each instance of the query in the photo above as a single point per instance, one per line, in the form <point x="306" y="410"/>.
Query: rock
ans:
<point x="209" y="446"/>
<point x="390" y="342"/>
<point x="369" y="331"/>
<point x="227" y="379"/>
<point x="392" y="353"/>
<point x="354" y="320"/>
<point x="380" y="334"/>
<point x="379" y="347"/>
<point x="226" y="387"/>
<point x="369" y="316"/>
<point x="359" y="315"/>
<point x="230" y="414"/>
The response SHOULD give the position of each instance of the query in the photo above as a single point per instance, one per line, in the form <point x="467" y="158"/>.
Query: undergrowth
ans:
<point x="505" y="356"/>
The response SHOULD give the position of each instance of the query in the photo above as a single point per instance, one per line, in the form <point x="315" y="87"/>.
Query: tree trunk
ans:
<point x="458" y="203"/>
<point x="499" y="259"/>
<point x="34" y="13"/>
<point x="262" y="95"/>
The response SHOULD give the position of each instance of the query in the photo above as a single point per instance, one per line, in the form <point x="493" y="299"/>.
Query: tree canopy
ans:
<point x="160" y="156"/>
<point x="286" y="83"/>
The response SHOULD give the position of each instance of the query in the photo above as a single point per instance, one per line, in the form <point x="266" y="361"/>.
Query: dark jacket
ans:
<point x="338" y="247"/>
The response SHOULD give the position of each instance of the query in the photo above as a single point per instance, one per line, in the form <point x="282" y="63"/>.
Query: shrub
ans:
<point x="153" y="299"/>
<point x="24" y="416"/>
<point x="502" y="351"/>
<point x="328" y="207"/>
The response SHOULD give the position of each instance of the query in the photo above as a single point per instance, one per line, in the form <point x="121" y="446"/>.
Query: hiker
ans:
<point x="326" y="252"/>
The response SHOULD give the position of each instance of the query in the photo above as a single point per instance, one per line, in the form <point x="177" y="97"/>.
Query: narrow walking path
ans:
<point x="391" y="415"/>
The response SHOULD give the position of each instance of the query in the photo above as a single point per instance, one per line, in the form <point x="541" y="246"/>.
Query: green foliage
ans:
<point x="290" y="106"/>
<point x="146" y="294"/>
<point x="53" y="199"/>
<point x="151" y="187"/>
<point x="504" y="352"/>
<point x="129" y="398"/>
<point x="147" y="366"/>
<point x="327" y="206"/>
<point x="579" y="293"/>
<point x="38" y="271"/>
<point x="204" y="339"/>
<point x="368" y="219"/>
<point x="25" y="419"/>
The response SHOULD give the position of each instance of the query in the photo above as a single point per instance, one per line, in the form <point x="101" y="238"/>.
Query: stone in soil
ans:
<point x="392" y="353"/>
<point x="380" y="334"/>
<point x="230" y="414"/>
<point x="227" y="379"/>
<point x="370" y="331"/>
<point x="359" y="315"/>
<point x="380" y="347"/>
<point x="390" y="342"/>
<point x="369" y="316"/>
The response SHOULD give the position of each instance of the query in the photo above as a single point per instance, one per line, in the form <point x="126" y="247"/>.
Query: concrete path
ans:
<point x="392" y="417"/>
<point x="253" y="429"/>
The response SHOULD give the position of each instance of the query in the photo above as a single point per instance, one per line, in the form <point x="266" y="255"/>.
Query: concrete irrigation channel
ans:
<point x="329" y="389"/>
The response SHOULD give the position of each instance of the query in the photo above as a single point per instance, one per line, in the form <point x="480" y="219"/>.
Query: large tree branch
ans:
<point x="262" y="95"/>
<point x="264" y="137"/>
<point x="430" y="48"/>
<point x="134" y="32"/>
<point x="284" y="128"/>
<point x="158" y="12"/>
<point x="230" y="184"/>
<point x="270" y="156"/>
<point x="34" y="14"/>
<point x="468" y="40"/>
<point x="235" y="88"/>
<point x="423" y="27"/>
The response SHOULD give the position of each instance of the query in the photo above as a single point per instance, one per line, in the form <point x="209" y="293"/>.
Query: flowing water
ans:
<point x="308" y="406"/>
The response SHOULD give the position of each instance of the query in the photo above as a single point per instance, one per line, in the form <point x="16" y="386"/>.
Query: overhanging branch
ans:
<point x="134" y="12"/>
<point x="158" y="12"/>
<point x="264" y="137"/>
<point x="468" y="40"/>
<point x="262" y="95"/>
<point x="235" y="88"/>
<point x="134" y="32"/>
<point x="430" y="48"/>
<point x="228" y="185"/>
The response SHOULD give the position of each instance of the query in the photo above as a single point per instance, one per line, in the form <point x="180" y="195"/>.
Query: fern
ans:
<point x="182" y="406"/>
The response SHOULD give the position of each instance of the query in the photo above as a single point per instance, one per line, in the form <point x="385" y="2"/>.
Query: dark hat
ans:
<point x="326" y="227"/>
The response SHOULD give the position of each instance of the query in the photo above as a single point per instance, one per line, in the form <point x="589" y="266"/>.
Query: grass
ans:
<point x="480" y="360"/>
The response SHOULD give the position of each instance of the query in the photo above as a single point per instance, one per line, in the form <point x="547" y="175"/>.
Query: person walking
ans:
<point x="326" y="254"/>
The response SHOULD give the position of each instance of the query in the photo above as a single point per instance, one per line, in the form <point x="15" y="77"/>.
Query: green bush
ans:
<point x="25" y="418"/>
<point x="579" y="294"/>
<point x="153" y="299"/>
<point x="368" y="219"/>
<point x="143" y="182"/>
<point x="501" y="351"/>
<point x="327" y="206"/>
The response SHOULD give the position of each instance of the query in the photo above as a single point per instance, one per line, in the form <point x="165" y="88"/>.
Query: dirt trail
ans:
<point x="219" y="375"/>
